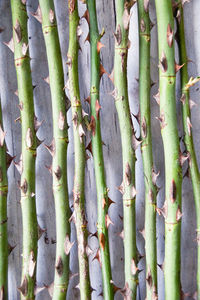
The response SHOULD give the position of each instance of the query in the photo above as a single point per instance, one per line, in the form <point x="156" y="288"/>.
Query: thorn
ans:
<point x="178" y="214"/>
<point x="121" y="234"/>
<point x="2" y="136"/>
<point x="162" y="120"/>
<point x="178" y="67"/>
<point x="10" y="249"/>
<point x="89" y="147"/>
<point x="9" y="159"/>
<point x="142" y="233"/>
<point x="157" y="97"/>
<point x="99" y="46"/>
<point x="47" y="80"/>
<point x="135" y="142"/>
<point x="10" y="44"/>
<point x="38" y="14"/>
<point x="67" y="245"/>
<point x="163" y="63"/>
<point x="108" y="221"/>
<point x="24" y="287"/>
<point x="19" y="165"/>
<point x="192" y="104"/>
<point x="38" y="289"/>
<point x="86" y="16"/>
<point x="170" y="35"/>
<point x="51" y="148"/>
<point x="37" y="123"/>
<point x="189" y="126"/>
<point x="88" y="100"/>
<point x="98" y="257"/>
<point x="111" y="76"/>
<point x="102" y="70"/>
<point x="97" y="108"/>
<point x="73" y="218"/>
<point x="87" y="38"/>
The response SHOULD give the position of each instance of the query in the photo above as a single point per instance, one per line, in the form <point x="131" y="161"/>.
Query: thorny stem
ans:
<point x="79" y="151"/>
<point x="188" y="137"/>
<point x="3" y="215"/>
<point x="127" y="137"/>
<point x="25" y="92"/>
<point x="173" y="172"/>
<point x="102" y="191"/>
<point x="146" y="148"/>
<point x="58" y="148"/>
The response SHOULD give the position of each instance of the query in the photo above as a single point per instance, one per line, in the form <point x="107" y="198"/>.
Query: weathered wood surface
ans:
<point x="112" y="148"/>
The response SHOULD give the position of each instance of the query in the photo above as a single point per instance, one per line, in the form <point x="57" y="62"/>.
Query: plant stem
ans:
<point x="58" y="148"/>
<point x="146" y="148"/>
<point x="79" y="152"/>
<point x="3" y="215"/>
<point x="173" y="172"/>
<point x="102" y="191"/>
<point x="188" y="137"/>
<point x="25" y="92"/>
<point x="127" y="136"/>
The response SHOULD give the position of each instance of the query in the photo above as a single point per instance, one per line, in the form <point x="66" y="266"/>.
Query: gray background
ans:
<point x="112" y="148"/>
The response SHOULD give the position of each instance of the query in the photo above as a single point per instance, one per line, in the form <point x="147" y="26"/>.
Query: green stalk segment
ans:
<point x="188" y="138"/>
<point x="3" y="216"/>
<point x="25" y="92"/>
<point x="102" y="191"/>
<point x="173" y="172"/>
<point x="127" y="139"/>
<point x="58" y="147"/>
<point x="146" y="147"/>
<point x="79" y="151"/>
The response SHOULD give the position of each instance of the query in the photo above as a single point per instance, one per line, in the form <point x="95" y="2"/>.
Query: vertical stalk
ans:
<point x="58" y="147"/>
<point x="188" y="137"/>
<point x="102" y="191"/>
<point x="3" y="215"/>
<point x="79" y="151"/>
<point x="127" y="138"/>
<point x="173" y="173"/>
<point x="146" y="148"/>
<point x="25" y="92"/>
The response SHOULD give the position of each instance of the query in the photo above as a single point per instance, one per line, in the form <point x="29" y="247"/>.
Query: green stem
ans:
<point x="188" y="137"/>
<point x="102" y="191"/>
<point x="3" y="216"/>
<point x="79" y="151"/>
<point x="146" y="148"/>
<point x="173" y="172"/>
<point x="128" y="154"/>
<point x="58" y="148"/>
<point x="25" y="92"/>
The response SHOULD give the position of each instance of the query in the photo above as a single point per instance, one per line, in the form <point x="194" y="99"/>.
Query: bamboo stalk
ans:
<point x="25" y="92"/>
<point x="173" y="172"/>
<point x="3" y="215"/>
<point x="146" y="148"/>
<point x="102" y="191"/>
<point x="79" y="151"/>
<point x="129" y="143"/>
<point x="188" y="137"/>
<point x="58" y="148"/>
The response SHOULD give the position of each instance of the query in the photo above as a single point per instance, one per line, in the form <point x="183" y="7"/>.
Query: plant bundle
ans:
<point x="79" y="151"/>
<point x="3" y="215"/>
<point x="27" y="162"/>
<point x="129" y="144"/>
<point x="103" y="221"/>
<point x="58" y="148"/>
<point x="187" y="104"/>
<point x="173" y="173"/>
<point x="146" y="148"/>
